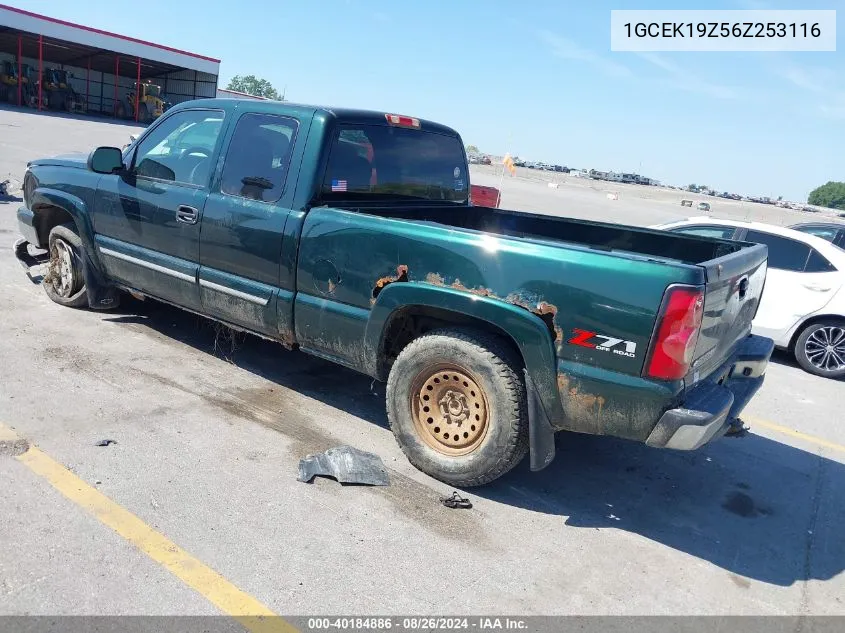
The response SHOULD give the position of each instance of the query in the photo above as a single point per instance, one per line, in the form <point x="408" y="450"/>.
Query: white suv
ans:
<point x="803" y="304"/>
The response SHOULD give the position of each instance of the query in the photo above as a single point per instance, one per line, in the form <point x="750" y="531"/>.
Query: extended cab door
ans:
<point x="243" y="223"/>
<point x="799" y="281"/>
<point x="147" y="220"/>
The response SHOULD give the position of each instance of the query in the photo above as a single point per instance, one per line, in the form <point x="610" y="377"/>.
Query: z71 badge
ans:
<point x="602" y="343"/>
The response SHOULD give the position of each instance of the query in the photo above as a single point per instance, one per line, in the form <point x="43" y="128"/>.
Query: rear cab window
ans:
<point x="383" y="162"/>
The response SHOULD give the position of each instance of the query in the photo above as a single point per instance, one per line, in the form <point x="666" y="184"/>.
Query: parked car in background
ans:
<point x="833" y="232"/>
<point x="803" y="305"/>
<point x="485" y="160"/>
<point x="703" y="206"/>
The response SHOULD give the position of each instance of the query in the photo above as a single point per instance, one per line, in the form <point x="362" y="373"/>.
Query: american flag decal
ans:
<point x="338" y="185"/>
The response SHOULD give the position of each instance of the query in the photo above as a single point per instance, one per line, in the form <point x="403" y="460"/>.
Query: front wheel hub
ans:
<point x="825" y="348"/>
<point x="449" y="409"/>
<point x="63" y="274"/>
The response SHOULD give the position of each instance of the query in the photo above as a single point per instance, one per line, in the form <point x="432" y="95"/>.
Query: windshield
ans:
<point x="153" y="91"/>
<point x="378" y="161"/>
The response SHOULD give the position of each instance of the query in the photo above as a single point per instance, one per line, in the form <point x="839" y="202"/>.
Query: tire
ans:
<point x="65" y="282"/>
<point x="143" y="113"/>
<point x="485" y="385"/>
<point x="819" y="346"/>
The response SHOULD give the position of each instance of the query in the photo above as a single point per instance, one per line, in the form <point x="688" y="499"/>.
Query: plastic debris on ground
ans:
<point x="347" y="465"/>
<point x="456" y="501"/>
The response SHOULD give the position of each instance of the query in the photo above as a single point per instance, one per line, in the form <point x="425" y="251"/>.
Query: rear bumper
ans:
<point x="712" y="404"/>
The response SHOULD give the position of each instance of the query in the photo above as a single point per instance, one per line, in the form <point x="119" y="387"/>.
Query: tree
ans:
<point x="472" y="149"/>
<point x="251" y="85"/>
<point x="831" y="195"/>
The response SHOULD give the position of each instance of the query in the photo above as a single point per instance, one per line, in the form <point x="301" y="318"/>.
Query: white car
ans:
<point x="803" y="303"/>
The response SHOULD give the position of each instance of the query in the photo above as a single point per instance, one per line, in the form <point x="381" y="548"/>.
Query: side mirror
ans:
<point x="105" y="160"/>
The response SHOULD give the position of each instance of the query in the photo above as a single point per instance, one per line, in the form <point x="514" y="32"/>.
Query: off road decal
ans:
<point x="602" y="343"/>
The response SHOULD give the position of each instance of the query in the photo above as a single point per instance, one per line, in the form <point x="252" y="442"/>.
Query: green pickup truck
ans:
<point x="351" y="235"/>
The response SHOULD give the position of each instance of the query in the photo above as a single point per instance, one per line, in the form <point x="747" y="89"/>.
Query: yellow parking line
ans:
<point x="787" y="431"/>
<point x="247" y="610"/>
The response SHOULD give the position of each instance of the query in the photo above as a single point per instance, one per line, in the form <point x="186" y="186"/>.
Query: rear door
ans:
<point x="243" y="224"/>
<point x="800" y="281"/>
<point x="147" y="221"/>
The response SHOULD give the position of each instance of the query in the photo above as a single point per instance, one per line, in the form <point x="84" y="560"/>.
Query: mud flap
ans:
<point x="541" y="436"/>
<point x="101" y="294"/>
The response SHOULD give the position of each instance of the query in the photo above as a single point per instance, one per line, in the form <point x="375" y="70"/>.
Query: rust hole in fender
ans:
<point x="401" y="275"/>
<point x="543" y="309"/>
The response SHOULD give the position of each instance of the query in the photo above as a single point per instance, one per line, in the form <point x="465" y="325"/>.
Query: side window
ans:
<point x="721" y="232"/>
<point x="826" y="233"/>
<point x="258" y="157"/>
<point x="784" y="253"/>
<point x="818" y="263"/>
<point x="180" y="149"/>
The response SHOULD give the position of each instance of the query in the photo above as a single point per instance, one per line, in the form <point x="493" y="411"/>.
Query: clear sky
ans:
<point x="533" y="77"/>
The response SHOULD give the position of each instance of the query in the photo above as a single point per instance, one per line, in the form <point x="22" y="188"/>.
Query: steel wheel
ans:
<point x="64" y="276"/>
<point x="825" y="348"/>
<point x="457" y="405"/>
<point x="449" y="409"/>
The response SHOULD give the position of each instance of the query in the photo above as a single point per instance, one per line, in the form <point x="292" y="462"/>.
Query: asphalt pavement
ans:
<point x="194" y="508"/>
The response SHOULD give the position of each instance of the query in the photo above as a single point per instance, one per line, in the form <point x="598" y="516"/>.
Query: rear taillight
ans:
<point x="677" y="334"/>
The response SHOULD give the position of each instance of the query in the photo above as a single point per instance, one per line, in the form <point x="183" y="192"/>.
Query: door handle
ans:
<point x="186" y="214"/>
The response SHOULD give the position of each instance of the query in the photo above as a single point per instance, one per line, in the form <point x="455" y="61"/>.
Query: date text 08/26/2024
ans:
<point x="416" y="623"/>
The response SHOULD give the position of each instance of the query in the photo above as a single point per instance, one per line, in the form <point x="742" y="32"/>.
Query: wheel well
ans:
<point x="408" y="323"/>
<point x="47" y="217"/>
<point x="815" y="319"/>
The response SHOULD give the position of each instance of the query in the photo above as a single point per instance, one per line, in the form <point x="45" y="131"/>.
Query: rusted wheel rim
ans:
<point x="63" y="272"/>
<point x="449" y="409"/>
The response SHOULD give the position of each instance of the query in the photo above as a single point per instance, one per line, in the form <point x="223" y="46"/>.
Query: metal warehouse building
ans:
<point x="102" y="68"/>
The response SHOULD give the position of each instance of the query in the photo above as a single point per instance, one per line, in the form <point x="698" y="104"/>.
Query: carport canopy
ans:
<point x="54" y="42"/>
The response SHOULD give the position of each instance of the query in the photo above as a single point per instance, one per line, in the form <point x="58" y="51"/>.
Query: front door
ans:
<point x="147" y="221"/>
<point x="243" y="224"/>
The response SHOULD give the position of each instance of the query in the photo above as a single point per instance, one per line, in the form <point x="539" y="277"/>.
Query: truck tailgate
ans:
<point x="732" y="294"/>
